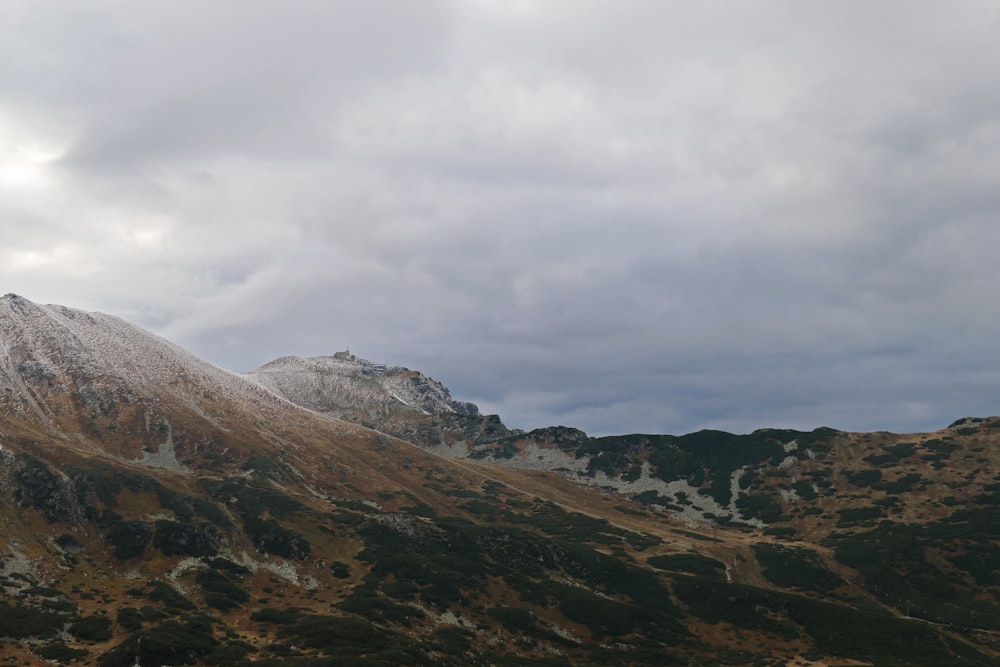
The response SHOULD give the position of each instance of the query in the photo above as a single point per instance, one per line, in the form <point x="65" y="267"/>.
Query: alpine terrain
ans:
<point x="158" y="510"/>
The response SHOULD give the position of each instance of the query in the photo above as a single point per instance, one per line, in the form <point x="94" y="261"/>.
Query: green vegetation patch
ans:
<point x="487" y="510"/>
<point x="846" y="632"/>
<point x="104" y="482"/>
<point x="229" y="654"/>
<point x="782" y="532"/>
<point x="453" y="561"/>
<point x="795" y="567"/>
<point x="167" y="595"/>
<point x="991" y="497"/>
<point x="506" y="449"/>
<point x="741" y="606"/>
<point x="365" y="601"/>
<point x="129" y="538"/>
<point x="653" y="497"/>
<point x="763" y="506"/>
<point x="865" y="477"/>
<point x="129" y="618"/>
<point x="180" y="539"/>
<point x="354" y="641"/>
<point x="805" y="490"/>
<point x="19" y="621"/>
<point x="92" y="629"/>
<point x="879" y="638"/>
<point x="269" y="536"/>
<point x="893" y="559"/>
<point x="859" y="516"/>
<point x="253" y="500"/>
<point x="276" y="616"/>
<point x="220" y="591"/>
<point x="893" y="454"/>
<point x="521" y="622"/>
<point x="61" y="654"/>
<point x="36" y="485"/>
<point x="690" y="563"/>
<point x="697" y="536"/>
<point x="181" y="642"/>
<point x="607" y="618"/>
<point x="452" y="641"/>
<point x="262" y="464"/>
<point x="942" y="446"/>
<point x="901" y="485"/>
<point x="576" y="527"/>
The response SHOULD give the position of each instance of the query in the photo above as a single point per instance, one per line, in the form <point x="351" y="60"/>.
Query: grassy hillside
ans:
<point x="454" y="563"/>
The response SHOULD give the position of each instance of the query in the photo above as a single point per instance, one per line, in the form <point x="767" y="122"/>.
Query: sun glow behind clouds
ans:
<point x="24" y="168"/>
<point x="23" y="160"/>
<point x="67" y="259"/>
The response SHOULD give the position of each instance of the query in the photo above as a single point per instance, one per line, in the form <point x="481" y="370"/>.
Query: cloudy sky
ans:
<point x="620" y="215"/>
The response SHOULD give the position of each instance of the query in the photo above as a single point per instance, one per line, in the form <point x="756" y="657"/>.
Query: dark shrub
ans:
<point x="178" y="539"/>
<point x="691" y="563"/>
<point x="19" y="622"/>
<point x="92" y="628"/>
<point x="129" y="538"/>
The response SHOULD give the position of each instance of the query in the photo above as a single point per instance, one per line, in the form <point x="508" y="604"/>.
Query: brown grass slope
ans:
<point x="156" y="508"/>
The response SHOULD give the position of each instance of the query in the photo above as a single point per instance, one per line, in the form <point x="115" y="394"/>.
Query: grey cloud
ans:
<point x="163" y="81"/>
<point x="619" y="216"/>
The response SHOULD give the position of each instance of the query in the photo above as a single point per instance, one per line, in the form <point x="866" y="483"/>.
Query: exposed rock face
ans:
<point x="36" y="485"/>
<point x="394" y="400"/>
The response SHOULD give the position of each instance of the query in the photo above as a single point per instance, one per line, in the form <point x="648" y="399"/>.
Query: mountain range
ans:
<point x="158" y="510"/>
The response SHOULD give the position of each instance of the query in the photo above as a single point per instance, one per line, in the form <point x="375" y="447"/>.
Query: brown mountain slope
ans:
<point x="156" y="509"/>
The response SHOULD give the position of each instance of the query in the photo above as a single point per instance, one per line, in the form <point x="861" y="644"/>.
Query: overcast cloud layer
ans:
<point x="623" y="216"/>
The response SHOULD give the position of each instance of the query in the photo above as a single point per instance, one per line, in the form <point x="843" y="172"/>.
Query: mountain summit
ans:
<point x="158" y="510"/>
<point x="118" y="390"/>
<point x="396" y="400"/>
<point x="58" y="363"/>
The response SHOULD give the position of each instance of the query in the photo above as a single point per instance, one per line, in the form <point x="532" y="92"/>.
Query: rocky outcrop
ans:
<point x="564" y="437"/>
<point x="395" y="400"/>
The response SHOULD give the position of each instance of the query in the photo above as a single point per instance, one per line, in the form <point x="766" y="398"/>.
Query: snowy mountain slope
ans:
<point x="115" y="389"/>
<point x="49" y="352"/>
<point x="343" y="381"/>
<point x="395" y="400"/>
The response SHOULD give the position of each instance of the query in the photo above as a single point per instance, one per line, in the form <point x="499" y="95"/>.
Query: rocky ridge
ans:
<point x="394" y="400"/>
